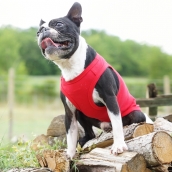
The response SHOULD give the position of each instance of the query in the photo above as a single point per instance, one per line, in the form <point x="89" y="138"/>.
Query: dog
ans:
<point x="92" y="92"/>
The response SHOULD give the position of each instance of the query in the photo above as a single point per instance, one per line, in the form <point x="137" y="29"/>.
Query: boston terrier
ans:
<point x="93" y="93"/>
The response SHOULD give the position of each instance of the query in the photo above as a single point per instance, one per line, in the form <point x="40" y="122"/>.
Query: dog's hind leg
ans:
<point x="87" y="124"/>
<point x="133" y="117"/>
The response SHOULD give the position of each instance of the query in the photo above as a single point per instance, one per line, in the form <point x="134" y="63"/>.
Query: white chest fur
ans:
<point x="74" y="66"/>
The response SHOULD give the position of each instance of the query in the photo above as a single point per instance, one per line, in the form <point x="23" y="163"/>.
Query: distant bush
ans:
<point x="47" y="88"/>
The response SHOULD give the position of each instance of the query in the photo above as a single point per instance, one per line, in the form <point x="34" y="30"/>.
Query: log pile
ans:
<point x="150" y="148"/>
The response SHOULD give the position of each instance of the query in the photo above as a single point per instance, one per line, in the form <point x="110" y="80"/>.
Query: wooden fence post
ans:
<point x="152" y="93"/>
<point x="166" y="81"/>
<point x="166" y="87"/>
<point x="11" y="101"/>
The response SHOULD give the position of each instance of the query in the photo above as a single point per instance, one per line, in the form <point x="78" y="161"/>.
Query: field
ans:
<point x="37" y="102"/>
<point x="29" y="120"/>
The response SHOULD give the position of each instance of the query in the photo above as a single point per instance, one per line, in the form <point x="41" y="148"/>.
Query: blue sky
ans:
<point x="145" y="21"/>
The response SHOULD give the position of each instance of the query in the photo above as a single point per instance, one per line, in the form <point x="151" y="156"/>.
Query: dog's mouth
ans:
<point x="48" y="42"/>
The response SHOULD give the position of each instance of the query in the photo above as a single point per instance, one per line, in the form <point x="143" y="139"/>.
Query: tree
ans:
<point x="9" y="49"/>
<point x="19" y="50"/>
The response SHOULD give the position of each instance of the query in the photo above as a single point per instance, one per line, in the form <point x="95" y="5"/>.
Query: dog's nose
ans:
<point x="45" y="29"/>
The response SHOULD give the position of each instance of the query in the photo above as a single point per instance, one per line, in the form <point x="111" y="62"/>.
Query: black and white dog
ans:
<point x="92" y="92"/>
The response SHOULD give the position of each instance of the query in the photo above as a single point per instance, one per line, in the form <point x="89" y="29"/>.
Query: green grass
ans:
<point x="21" y="155"/>
<point x="28" y="119"/>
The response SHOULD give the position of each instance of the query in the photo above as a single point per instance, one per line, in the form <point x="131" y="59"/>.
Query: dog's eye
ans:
<point x="59" y="24"/>
<point x="56" y="24"/>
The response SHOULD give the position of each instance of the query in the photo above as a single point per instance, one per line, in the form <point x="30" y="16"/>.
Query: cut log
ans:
<point x="29" y="170"/>
<point x="156" y="147"/>
<point x="168" y="117"/>
<point x="136" y="130"/>
<point x="161" y="168"/>
<point x="162" y="124"/>
<point x="131" y="131"/>
<point x="40" y="141"/>
<point x="56" y="160"/>
<point x="102" y="160"/>
<point x="57" y="127"/>
<point x="104" y="140"/>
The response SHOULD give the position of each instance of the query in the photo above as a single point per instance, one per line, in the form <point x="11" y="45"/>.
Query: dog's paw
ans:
<point x="71" y="153"/>
<point x="106" y="126"/>
<point x="118" y="147"/>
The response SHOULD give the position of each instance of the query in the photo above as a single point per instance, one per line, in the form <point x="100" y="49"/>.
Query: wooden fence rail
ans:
<point x="154" y="101"/>
<point x="162" y="100"/>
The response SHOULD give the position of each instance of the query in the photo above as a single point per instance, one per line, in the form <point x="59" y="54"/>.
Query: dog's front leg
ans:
<point x="72" y="132"/>
<point x="71" y="126"/>
<point x="114" y="114"/>
<point x="119" y="145"/>
<point x="71" y="129"/>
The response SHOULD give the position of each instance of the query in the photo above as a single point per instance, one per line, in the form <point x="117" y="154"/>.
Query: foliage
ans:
<point x="27" y="87"/>
<point x="47" y="88"/>
<point x="19" y="50"/>
<point x="21" y="154"/>
<point x="9" y="49"/>
<point x="128" y="57"/>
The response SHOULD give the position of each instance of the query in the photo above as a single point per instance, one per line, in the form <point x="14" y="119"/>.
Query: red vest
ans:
<point x="79" y="91"/>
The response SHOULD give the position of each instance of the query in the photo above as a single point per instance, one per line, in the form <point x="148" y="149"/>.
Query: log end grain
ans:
<point x="137" y="164"/>
<point x="143" y="130"/>
<point x="56" y="160"/>
<point x="162" y="147"/>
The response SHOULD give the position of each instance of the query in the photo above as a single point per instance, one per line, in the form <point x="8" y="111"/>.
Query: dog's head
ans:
<point x="59" y="38"/>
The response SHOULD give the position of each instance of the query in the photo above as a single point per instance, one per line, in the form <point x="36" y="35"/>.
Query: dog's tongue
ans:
<point x="47" y="42"/>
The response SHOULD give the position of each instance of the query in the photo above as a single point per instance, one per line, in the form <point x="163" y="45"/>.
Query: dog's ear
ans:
<point x="41" y="22"/>
<point x="74" y="14"/>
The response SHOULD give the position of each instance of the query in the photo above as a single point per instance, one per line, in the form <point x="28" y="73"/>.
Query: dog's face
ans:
<point x="59" y="38"/>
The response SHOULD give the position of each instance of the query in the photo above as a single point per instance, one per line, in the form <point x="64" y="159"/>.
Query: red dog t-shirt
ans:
<point x="79" y="91"/>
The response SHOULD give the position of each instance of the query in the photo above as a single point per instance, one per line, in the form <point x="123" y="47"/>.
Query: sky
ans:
<point x="144" y="21"/>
